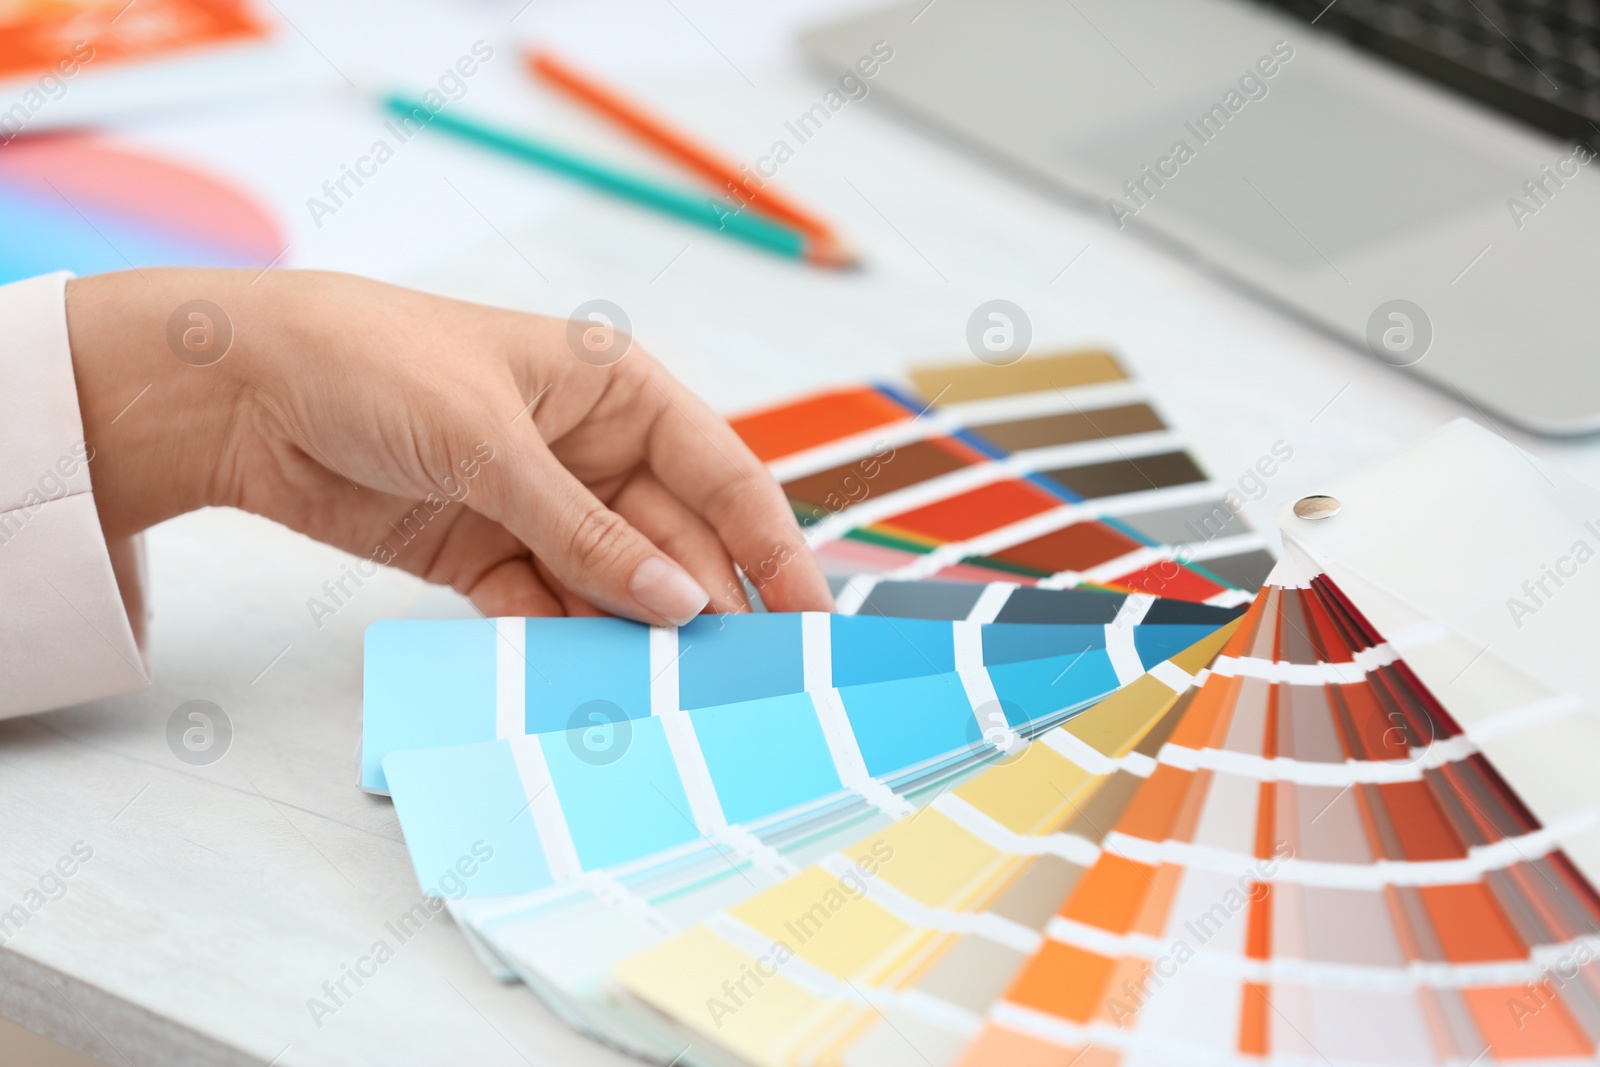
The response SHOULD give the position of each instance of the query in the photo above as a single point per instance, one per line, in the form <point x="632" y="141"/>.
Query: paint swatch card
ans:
<point x="784" y="974"/>
<point x="1315" y="866"/>
<point x="1510" y="651"/>
<point x="1055" y="470"/>
<point x="1401" y="905"/>
<point x="434" y="683"/>
<point x="565" y="801"/>
<point x="565" y="944"/>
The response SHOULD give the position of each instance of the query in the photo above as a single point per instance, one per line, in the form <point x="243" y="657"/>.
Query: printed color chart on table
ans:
<point x="1052" y="471"/>
<point x="1310" y="862"/>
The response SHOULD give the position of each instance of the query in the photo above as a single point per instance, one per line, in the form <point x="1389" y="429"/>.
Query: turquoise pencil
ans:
<point x="709" y="212"/>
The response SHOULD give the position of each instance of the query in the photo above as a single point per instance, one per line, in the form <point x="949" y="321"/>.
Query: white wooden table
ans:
<point x="220" y="898"/>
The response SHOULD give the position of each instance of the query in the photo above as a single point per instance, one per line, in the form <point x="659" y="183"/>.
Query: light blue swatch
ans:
<point x="444" y="672"/>
<point x="431" y="683"/>
<point x="454" y="798"/>
<point x="624" y="809"/>
<point x="901" y="724"/>
<point x="765" y="756"/>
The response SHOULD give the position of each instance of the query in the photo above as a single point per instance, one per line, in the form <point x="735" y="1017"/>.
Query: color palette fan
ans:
<point x="1003" y="559"/>
<point x="601" y="850"/>
<point x="1006" y="807"/>
<point x="1301" y="858"/>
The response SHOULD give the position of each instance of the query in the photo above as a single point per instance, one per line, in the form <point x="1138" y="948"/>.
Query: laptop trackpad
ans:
<point x="1302" y="173"/>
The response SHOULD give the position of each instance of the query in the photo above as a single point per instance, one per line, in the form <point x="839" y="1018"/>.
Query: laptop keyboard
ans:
<point x="1536" y="60"/>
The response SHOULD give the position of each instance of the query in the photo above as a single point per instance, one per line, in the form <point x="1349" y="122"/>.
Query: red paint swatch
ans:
<point x="977" y="511"/>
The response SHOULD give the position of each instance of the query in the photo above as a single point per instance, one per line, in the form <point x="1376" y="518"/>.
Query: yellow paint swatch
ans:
<point x="1198" y="656"/>
<point x="1032" y="795"/>
<point x="934" y="861"/>
<point x="1115" y="725"/>
<point x="693" y="978"/>
<point x="826" y="921"/>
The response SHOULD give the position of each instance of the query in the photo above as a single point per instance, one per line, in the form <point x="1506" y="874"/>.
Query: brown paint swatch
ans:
<point x="1070" y="428"/>
<point x="1071" y="548"/>
<point x="907" y="465"/>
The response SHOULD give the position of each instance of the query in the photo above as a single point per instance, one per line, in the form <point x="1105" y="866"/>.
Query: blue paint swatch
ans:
<point x="1039" y="689"/>
<point x="1156" y="643"/>
<point x="431" y="684"/>
<point x="901" y="724"/>
<point x="723" y="659"/>
<point x="573" y="661"/>
<point x="766" y="756"/>
<point x="869" y="648"/>
<point x="1013" y="642"/>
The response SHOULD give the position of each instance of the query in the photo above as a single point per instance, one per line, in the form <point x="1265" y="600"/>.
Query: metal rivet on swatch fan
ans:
<point x="1317" y="507"/>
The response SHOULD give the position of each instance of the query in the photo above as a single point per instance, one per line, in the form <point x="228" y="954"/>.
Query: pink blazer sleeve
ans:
<point x="71" y="607"/>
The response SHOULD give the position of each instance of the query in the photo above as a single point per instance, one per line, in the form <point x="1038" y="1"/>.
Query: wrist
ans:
<point x="154" y="390"/>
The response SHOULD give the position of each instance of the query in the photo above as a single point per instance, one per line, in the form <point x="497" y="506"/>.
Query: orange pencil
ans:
<point x="654" y="131"/>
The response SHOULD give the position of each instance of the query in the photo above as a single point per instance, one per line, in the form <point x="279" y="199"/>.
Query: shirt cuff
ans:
<point x="71" y="621"/>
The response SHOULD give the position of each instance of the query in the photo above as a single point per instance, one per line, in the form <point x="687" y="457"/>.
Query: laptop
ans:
<point x="1414" y="177"/>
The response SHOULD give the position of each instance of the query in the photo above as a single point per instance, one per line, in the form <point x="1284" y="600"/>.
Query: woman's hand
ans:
<point x="466" y="444"/>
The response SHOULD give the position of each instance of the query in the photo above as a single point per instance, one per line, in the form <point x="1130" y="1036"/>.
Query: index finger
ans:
<point x="698" y="456"/>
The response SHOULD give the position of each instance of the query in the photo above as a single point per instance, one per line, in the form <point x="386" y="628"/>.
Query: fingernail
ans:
<point x="666" y="589"/>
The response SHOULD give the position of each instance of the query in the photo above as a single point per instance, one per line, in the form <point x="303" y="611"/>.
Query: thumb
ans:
<point x="594" y="551"/>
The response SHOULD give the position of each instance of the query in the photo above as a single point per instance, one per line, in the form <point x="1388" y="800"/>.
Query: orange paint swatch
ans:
<point x="775" y="432"/>
<point x="1063" y="980"/>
